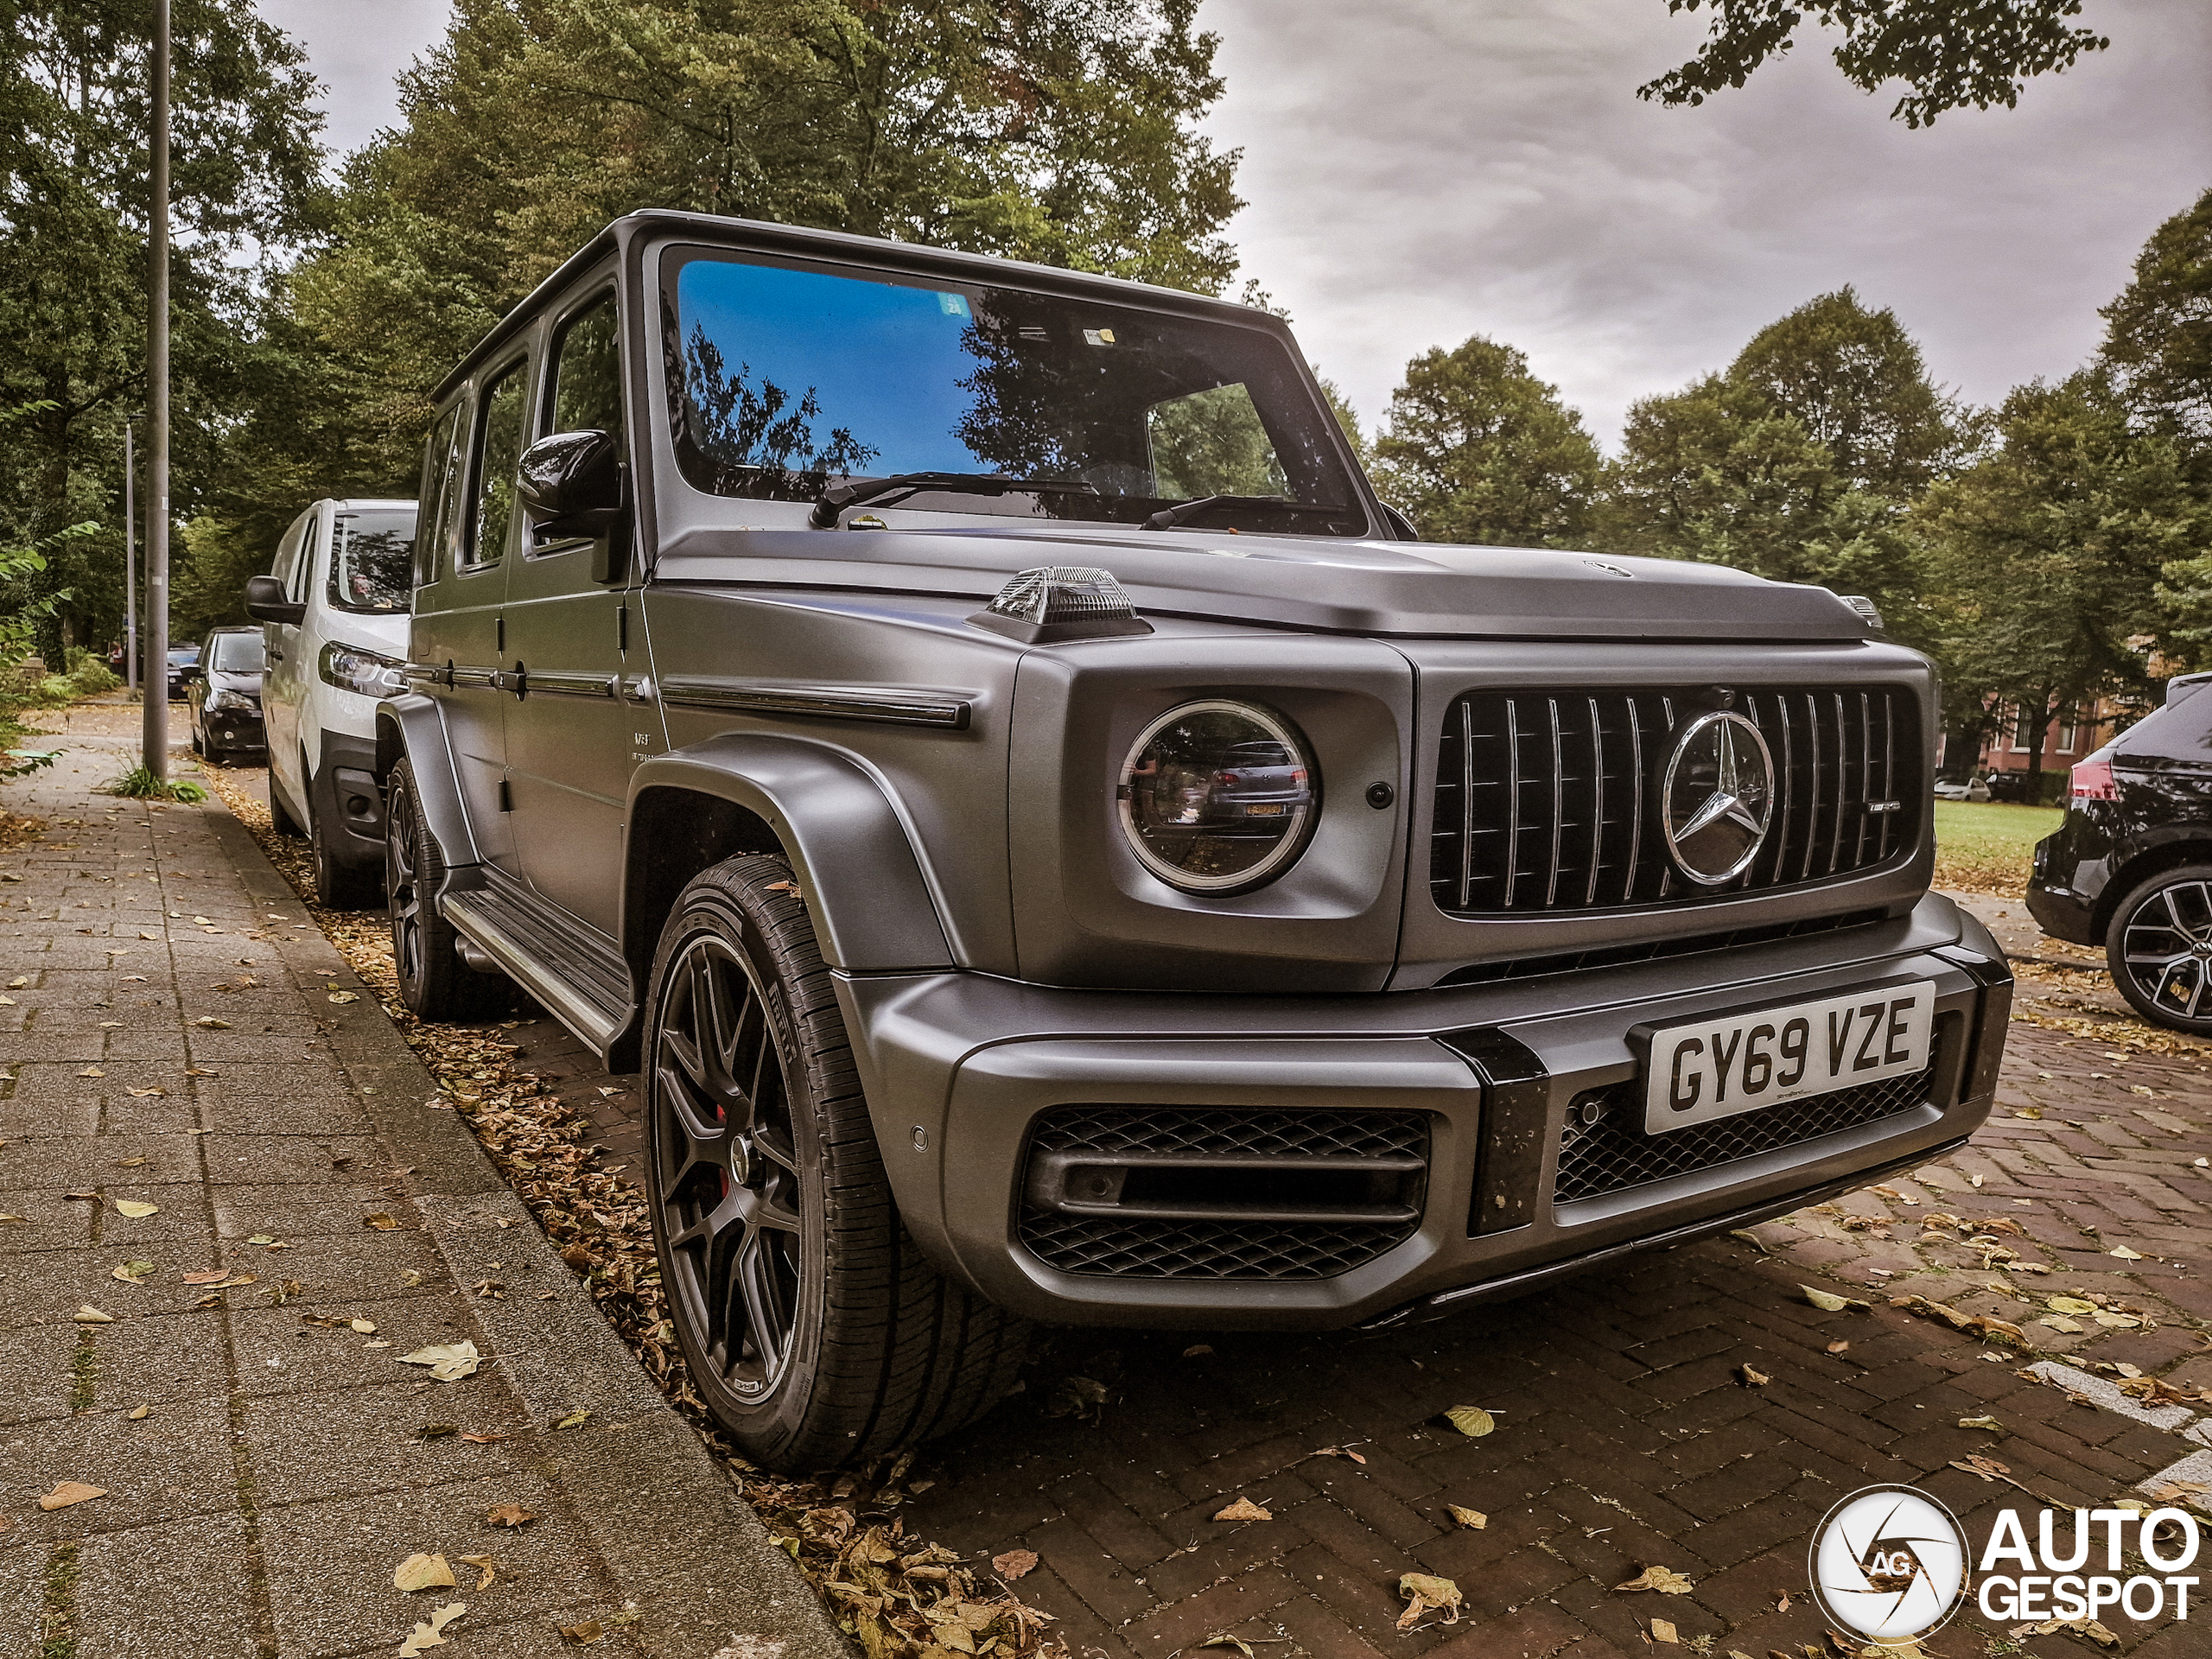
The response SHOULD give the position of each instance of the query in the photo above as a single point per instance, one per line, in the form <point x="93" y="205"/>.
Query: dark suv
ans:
<point x="2130" y="867"/>
<point x="1057" y="847"/>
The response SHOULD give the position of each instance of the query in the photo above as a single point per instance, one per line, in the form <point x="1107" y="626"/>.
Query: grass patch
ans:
<point x="1987" y="846"/>
<point x="140" y="784"/>
<point x="58" y="1628"/>
<point x="85" y="1374"/>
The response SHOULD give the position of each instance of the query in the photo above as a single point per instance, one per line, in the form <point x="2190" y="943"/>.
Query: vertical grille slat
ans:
<point x="1571" y="819"/>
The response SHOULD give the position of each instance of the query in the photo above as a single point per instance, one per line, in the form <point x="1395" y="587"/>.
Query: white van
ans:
<point x="334" y="609"/>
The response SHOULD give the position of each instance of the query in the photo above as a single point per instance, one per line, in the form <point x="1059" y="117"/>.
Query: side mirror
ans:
<point x="266" y="602"/>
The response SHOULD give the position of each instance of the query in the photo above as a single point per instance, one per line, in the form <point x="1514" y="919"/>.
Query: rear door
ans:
<point x="573" y="736"/>
<point x="459" y="626"/>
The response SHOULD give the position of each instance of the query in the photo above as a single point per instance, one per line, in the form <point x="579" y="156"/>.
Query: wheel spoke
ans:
<point x="726" y="1169"/>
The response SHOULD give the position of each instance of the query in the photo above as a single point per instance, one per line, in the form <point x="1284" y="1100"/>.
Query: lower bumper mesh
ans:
<point x="1614" y="1154"/>
<point x="1091" y="1240"/>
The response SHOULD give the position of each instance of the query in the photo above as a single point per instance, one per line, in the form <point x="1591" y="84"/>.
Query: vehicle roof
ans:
<point x="876" y="250"/>
<point x="373" y="503"/>
<point x="236" y="628"/>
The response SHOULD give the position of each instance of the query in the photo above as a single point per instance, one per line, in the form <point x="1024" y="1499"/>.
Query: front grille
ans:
<point x="1179" y="1142"/>
<point x="1614" y="1152"/>
<point x="1549" y="801"/>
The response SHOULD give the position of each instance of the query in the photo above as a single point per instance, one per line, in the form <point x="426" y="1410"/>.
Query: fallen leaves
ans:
<point x="1473" y="1520"/>
<point x="1989" y="1423"/>
<point x="573" y="1419"/>
<point x="130" y="1273"/>
<point x="1426" y="1593"/>
<point x="209" y="1022"/>
<point x="1986" y="1325"/>
<point x="88" y="1314"/>
<point x="1244" y="1509"/>
<point x="1661" y="1630"/>
<point x="1664" y="1579"/>
<point x="1013" y="1563"/>
<point x="1471" y="1420"/>
<point x="1828" y="1302"/>
<point x="486" y="1568"/>
<point x="1751" y="1377"/>
<point x="431" y="1632"/>
<point x="67" y="1492"/>
<point x="2124" y="1253"/>
<point x="136" y="1209"/>
<point x="380" y="1222"/>
<point x="421" y="1572"/>
<point x="449" y="1362"/>
<point x="140" y="1414"/>
<point x="510" y="1516"/>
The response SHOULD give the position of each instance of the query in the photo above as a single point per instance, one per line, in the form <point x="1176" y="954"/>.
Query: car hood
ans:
<point x="1363" y="587"/>
<point x="223" y="679"/>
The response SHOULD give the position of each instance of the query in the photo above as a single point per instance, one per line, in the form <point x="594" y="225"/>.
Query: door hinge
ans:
<point x="506" y="797"/>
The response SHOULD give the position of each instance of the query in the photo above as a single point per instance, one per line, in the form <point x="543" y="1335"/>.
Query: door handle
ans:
<point x="275" y="656"/>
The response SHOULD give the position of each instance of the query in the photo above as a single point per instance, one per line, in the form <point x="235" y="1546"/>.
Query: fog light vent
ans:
<point x="1193" y="1192"/>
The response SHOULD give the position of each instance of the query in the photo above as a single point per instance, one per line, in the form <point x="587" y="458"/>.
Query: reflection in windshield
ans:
<point x="784" y="381"/>
<point x="240" y="653"/>
<point x="372" y="560"/>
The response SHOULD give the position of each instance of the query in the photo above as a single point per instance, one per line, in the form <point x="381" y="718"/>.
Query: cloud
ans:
<point x="1419" y="171"/>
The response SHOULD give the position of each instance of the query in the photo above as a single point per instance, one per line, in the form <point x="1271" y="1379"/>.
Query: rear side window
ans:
<point x="441" y="460"/>
<point x="587" y="373"/>
<point x="371" y="553"/>
<point x="498" y="453"/>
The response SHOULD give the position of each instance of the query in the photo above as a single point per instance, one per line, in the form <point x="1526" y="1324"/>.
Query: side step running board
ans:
<point x="587" y="1002"/>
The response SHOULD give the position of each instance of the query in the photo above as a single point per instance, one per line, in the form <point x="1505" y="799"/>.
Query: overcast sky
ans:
<point x="1419" y="171"/>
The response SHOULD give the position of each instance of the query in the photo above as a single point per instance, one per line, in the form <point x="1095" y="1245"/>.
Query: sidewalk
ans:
<point x="179" y="1035"/>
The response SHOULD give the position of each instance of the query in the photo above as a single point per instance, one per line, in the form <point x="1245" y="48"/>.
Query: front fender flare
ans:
<point x="857" y="868"/>
<point x="415" y="726"/>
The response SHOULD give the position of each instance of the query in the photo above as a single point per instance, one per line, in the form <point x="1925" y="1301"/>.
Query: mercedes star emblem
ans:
<point x="1717" y="798"/>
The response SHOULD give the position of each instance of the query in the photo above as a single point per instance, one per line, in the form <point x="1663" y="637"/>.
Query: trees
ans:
<point x="2158" y="336"/>
<point x="73" y="277"/>
<point x="1950" y="52"/>
<point x="1057" y="130"/>
<point x="2047" y="554"/>
<point x="1476" y="448"/>
<point x="1798" y="462"/>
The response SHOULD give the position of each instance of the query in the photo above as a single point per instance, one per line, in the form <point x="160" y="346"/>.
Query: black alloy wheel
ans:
<point x="729" y="1182"/>
<point x="433" y="980"/>
<point x="812" y="1326"/>
<point x="2159" y="948"/>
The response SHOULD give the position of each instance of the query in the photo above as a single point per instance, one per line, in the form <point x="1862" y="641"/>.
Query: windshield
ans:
<point x="783" y="380"/>
<point x="373" y="560"/>
<point x="240" y="653"/>
<point x="184" y="656"/>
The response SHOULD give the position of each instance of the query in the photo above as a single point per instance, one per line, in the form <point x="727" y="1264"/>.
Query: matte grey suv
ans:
<point x="1057" y="847"/>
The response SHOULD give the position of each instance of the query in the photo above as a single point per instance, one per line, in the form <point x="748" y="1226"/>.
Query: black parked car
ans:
<point x="184" y="668"/>
<point x="225" y="699"/>
<point x="2131" y="868"/>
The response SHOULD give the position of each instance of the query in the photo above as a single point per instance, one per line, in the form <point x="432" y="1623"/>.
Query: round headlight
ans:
<point x="1218" y="795"/>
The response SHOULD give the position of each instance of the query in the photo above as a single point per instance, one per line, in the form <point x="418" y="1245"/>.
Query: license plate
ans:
<point x="1266" y="810"/>
<point x="1733" y="1063"/>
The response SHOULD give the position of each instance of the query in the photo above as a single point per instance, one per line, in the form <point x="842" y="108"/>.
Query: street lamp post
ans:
<point x="129" y="563"/>
<point x="154" y="728"/>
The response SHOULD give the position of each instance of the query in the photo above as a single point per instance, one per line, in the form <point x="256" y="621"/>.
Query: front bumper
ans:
<point x="961" y="1071"/>
<point x="231" y="732"/>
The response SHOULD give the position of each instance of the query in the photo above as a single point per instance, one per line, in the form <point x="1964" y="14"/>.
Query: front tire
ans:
<point x="279" y="820"/>
<point x="433" y="980"/>
<point x="812" y="1329"/>
<point x="2158" y="946"/>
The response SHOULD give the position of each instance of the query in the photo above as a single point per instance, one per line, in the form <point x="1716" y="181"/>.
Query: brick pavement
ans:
<point x="176" y="1033"/>
<point x="1627" y="1438"/>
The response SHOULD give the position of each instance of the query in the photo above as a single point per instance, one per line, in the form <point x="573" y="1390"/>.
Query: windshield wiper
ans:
<point x="857" y="492"/>
<point x="1175" y="517"/>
